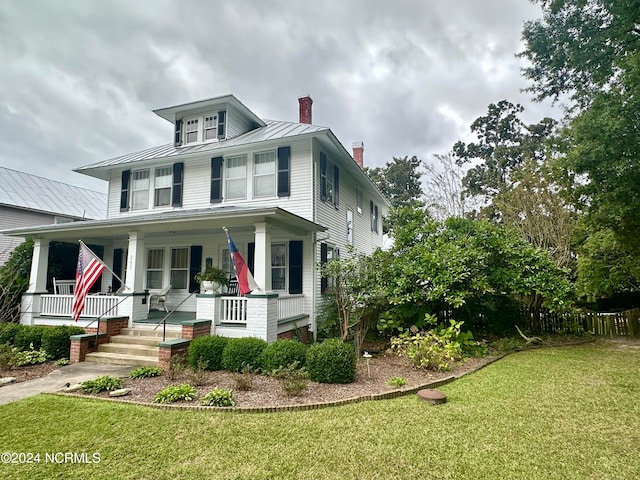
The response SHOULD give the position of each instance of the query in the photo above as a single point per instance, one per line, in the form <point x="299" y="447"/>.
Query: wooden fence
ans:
<point x="617" y="324"/>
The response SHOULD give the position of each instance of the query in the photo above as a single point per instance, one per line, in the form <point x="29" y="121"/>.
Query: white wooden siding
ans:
<point x="237" y="124"/>
<point x="16" y="218"/>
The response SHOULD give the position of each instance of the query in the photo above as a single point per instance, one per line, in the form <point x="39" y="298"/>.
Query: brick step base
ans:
<point x="122" y="359"/>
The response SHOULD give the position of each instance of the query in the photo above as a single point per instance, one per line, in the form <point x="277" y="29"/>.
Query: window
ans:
<point x="349" y="226"/>
<point x="236" y="177"/>
<point x="330" y="186"/>
<point x="264" y="174"/>
<point x="374" y="216"/>
<point x="140" y="190"/>
<point x="162" y="181"/>
<point x="155" y="265"/>
<point x="210" y="128"/>
<point x="278" y="266"/>
<point x="329" y="181"/>
<point x="225" y="262"/>
<point x="359" y="200"/>
<point x="327" y="253"/>
<point x="191" y="131"/>
<point x="180" y="268"/>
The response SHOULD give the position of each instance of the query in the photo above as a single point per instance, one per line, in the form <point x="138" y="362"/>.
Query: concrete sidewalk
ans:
<point x="56" y="380"/>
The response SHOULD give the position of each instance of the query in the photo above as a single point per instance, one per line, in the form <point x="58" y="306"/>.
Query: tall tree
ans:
<point x="578" y="46"/>
<point x="400" y="181"/>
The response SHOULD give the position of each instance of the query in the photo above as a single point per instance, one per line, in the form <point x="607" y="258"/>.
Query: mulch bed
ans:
<point x="29" y="372"/>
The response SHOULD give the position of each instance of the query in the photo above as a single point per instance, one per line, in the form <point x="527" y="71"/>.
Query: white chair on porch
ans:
<point x="63" y="287"/>
<point x="158" y="301"/>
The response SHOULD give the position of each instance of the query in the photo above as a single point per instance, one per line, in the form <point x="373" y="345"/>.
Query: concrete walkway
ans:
<point x="57" y="380"/>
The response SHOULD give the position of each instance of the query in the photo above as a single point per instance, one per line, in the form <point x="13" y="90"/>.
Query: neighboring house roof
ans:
<point x="30" y="192"/>
<point x="274" y="130"/>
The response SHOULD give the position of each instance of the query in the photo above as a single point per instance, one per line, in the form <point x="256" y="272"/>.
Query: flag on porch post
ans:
<point x="246" y="283"/>
<point x="88" y="271"/>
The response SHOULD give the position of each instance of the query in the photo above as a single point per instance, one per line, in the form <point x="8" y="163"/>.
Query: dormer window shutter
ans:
<point x="216" y="180"/>
<point x="124" y="191"/>
<point x="336" y="186"/>
<point x="323" y="176"/>
<point x="284" y="175"/>
<point x="176" y="192"/>
<point x="177" y="141"/>
<point x="222" y="123"/>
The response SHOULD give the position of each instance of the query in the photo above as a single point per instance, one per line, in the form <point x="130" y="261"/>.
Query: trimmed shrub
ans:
<point x="8" y="332"/>
<point x="331" y="361"/>
<point x="27" y="336"/>
<point x="176" y="392"/>
<point x="242" y="352"/>
<point x="207" y="349"/>
<point x="56" y="341"/>
<point x="100" y="384"/>
<point x="218" y="397"/>
<point x="283" y="353"/>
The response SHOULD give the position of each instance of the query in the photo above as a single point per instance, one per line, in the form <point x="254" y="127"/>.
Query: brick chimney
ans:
<point x="358" y="153"/>
<point x="305" y="108"/>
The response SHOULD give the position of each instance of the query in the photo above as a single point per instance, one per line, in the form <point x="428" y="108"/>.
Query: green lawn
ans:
<point x="563" y="413"/>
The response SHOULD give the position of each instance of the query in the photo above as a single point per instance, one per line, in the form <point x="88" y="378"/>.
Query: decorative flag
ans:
<point x="89" y="270"/>
<point x="246" y="283"/>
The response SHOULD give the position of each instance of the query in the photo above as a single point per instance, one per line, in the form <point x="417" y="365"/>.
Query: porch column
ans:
<point x="39" y="265"/>
<point x="262" y="258"/>
<point x="135" y="263"/>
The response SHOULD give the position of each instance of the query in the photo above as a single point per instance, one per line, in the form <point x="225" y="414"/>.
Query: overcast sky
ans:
<point x="78" y="79"/>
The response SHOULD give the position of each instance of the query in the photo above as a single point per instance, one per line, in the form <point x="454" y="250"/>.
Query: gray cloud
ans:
<point x="80" y="78"/>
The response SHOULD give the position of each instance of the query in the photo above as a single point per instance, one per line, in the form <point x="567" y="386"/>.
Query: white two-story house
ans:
<point x="289" y="193"/>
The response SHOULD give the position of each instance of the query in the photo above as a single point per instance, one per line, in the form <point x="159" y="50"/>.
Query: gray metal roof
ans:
<point x="30" y="192"/>
<point x="274" y="130"/>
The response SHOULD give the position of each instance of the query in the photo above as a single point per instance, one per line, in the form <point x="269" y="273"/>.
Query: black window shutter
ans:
<point x="124" y="191"/>
<point x="117" y="269"/>
<point x="375" y="225"/>
<point x="216" y="180"/>
<point x="251" y="256"/>
<point x="194" y="267"/>
<point x="222" y="120"/>
<point x="295" y="267"/>
<point x="323" y="262"/>
<point x="178" y="173"/>
<point x="177" y="141"/>
<point x="336" y="186"/>
<point x="371" y="214"/>
<point x="323" y="176"/>
<point x="284" y="156"/>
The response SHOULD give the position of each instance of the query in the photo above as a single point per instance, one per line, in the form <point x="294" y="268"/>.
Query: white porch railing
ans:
<point x="290" y="306"/>
<point x="234" y="310"/>
<point x="94" y="305"/>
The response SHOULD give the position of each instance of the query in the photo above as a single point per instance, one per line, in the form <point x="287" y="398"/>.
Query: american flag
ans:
<point x="246" y="283"/>
<point x="89" y="270"/>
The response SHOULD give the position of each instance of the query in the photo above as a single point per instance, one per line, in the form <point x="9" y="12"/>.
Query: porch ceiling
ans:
<point x="183" y="222"/>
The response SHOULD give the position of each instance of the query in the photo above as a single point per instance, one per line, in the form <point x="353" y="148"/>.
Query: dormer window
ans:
<point x="191" y="131"/>
<point x="210" y="128"/>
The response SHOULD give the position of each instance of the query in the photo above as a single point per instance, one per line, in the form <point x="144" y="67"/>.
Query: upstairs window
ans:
<point x="264" y="174"/>
<point x="162" y="181"/>
<point x="140" y="190"/>
<point x="191" y="131"/>
<point x="329" y="181"/>
<point x="210" y="128"/>
<point x="236" y="177"/>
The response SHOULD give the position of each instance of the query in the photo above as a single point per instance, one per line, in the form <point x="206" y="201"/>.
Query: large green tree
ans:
<point x="400" y="181"/>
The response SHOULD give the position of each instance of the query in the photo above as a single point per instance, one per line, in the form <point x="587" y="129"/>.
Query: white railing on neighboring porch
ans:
<point x="234" y="310"/>
<point x="94" y="306"/>
<point x="290" y="306"/>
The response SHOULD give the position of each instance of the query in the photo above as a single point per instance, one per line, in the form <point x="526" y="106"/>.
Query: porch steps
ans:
<point x="134" y="346"/>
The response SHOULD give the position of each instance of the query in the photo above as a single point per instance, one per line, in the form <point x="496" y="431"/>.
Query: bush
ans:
<point x="283" y="353"/>
<point x="243" y="380"/>
<point x="8" y="332"/>
<point x="27" y="336"/>
<point x="56" y="341"/>
<point x="100" y="384"/>
<point x="218" y="397"/>
<point x="208" y="349"/>
<point x="331" y="361"/>
<point x="175" y="393"/>
<point x="30" y="357"/>
<point x="145" y="372"/>
<point x="242" y="352"/>
<point x="293" y="378"/>
<point x="8" y="356"/>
